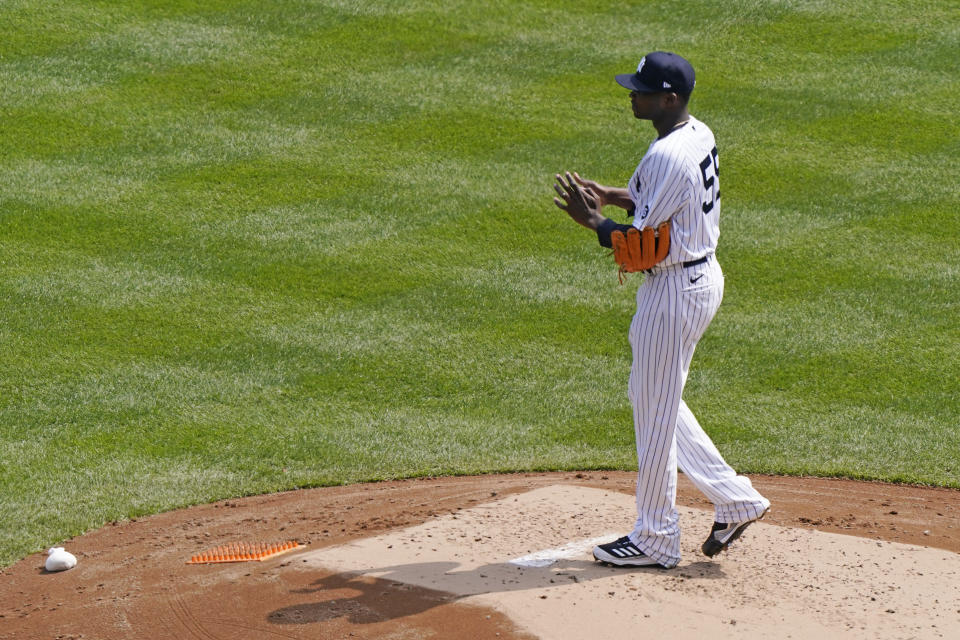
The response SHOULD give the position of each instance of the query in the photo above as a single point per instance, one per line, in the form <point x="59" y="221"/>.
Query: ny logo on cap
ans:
<point x="640" y="66"/>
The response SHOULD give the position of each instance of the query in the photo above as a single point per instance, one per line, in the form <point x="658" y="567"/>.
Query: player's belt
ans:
<point x="693" y="263"/>
<point x="688" y="263"/>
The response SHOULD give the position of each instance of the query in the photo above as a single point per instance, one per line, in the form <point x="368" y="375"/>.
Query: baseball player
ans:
<point x="677" y="182"/>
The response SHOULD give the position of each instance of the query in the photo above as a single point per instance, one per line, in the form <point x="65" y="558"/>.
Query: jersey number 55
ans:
<point x="711" y="183"/>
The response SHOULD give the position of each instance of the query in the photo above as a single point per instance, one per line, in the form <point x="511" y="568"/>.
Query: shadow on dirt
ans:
<point x="386" y="593"/>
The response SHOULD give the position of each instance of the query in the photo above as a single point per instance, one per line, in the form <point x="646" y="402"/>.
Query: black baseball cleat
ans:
<point x="723" y="534"/>
<point x="624" y="553"/>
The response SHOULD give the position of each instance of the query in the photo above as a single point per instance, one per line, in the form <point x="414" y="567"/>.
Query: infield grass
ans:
<point x="251" y="246"/>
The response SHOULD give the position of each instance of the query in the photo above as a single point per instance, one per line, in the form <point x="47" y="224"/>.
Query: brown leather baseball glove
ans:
<point x="638" y="250"/>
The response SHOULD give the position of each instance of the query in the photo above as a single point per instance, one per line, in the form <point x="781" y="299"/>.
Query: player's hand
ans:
<point x="580" y="202"/>
<point x="598" y="189"/>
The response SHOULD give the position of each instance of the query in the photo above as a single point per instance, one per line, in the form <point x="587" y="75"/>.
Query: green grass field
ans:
<point x="252" y="246"/>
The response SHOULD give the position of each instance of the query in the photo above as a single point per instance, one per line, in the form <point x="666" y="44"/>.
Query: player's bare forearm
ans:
<point x="618" y="198"/>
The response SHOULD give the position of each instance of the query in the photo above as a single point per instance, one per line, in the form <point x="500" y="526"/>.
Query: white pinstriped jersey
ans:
<point x="678" y="179"/>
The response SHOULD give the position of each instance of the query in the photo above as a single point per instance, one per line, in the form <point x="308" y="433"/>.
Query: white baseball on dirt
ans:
<point x="59" y="559"/>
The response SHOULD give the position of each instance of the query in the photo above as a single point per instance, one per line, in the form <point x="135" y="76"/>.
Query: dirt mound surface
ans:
<point x="133" y="579"/>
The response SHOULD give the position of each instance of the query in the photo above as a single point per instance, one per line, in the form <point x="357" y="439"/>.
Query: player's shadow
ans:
<point x="386" y="593"/>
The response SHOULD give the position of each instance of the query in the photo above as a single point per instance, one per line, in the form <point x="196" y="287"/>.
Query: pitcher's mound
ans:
<point x="507" y="557"/>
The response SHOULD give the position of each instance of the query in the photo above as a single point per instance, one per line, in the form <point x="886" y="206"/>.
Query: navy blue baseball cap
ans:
<point x="660" y="71"/>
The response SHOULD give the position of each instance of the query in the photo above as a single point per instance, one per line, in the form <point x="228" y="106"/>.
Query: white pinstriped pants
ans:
<point x="674" y="307"/>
